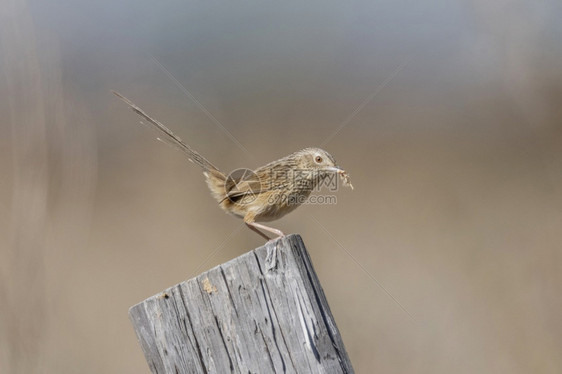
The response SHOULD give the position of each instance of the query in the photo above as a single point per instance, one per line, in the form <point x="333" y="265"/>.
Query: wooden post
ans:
<point x="263" y="312"/>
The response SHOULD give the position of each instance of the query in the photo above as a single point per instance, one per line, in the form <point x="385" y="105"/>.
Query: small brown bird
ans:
<point x="264" y="194"/>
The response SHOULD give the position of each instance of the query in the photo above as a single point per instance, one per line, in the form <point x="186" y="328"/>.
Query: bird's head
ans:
<point x="320" y="163"/>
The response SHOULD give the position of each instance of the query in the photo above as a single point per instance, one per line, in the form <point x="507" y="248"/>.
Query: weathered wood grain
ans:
<point x="263" y="312"/>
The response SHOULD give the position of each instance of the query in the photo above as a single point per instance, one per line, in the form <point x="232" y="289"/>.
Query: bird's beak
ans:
<point x="335" y="169"/>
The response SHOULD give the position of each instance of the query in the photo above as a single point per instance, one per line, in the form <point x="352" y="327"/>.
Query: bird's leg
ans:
<point x="271" y="258"/>
<point x="256" y="225"/>
<point x="254" y="229"/>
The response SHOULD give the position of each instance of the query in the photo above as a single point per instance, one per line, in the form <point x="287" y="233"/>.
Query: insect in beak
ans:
<point x="344" y="176"/>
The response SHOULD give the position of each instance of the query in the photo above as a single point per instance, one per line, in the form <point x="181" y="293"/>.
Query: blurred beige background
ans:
<point x="452" y="137"/>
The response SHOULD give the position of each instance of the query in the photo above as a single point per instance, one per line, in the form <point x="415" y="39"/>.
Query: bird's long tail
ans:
<point x="214" y="177"/>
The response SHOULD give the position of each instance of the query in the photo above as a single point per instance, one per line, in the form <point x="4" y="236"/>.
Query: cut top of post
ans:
<point x="263" y="312"/>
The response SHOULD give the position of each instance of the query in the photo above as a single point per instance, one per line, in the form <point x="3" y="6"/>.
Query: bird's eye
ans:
<point x="318" y="159"/>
